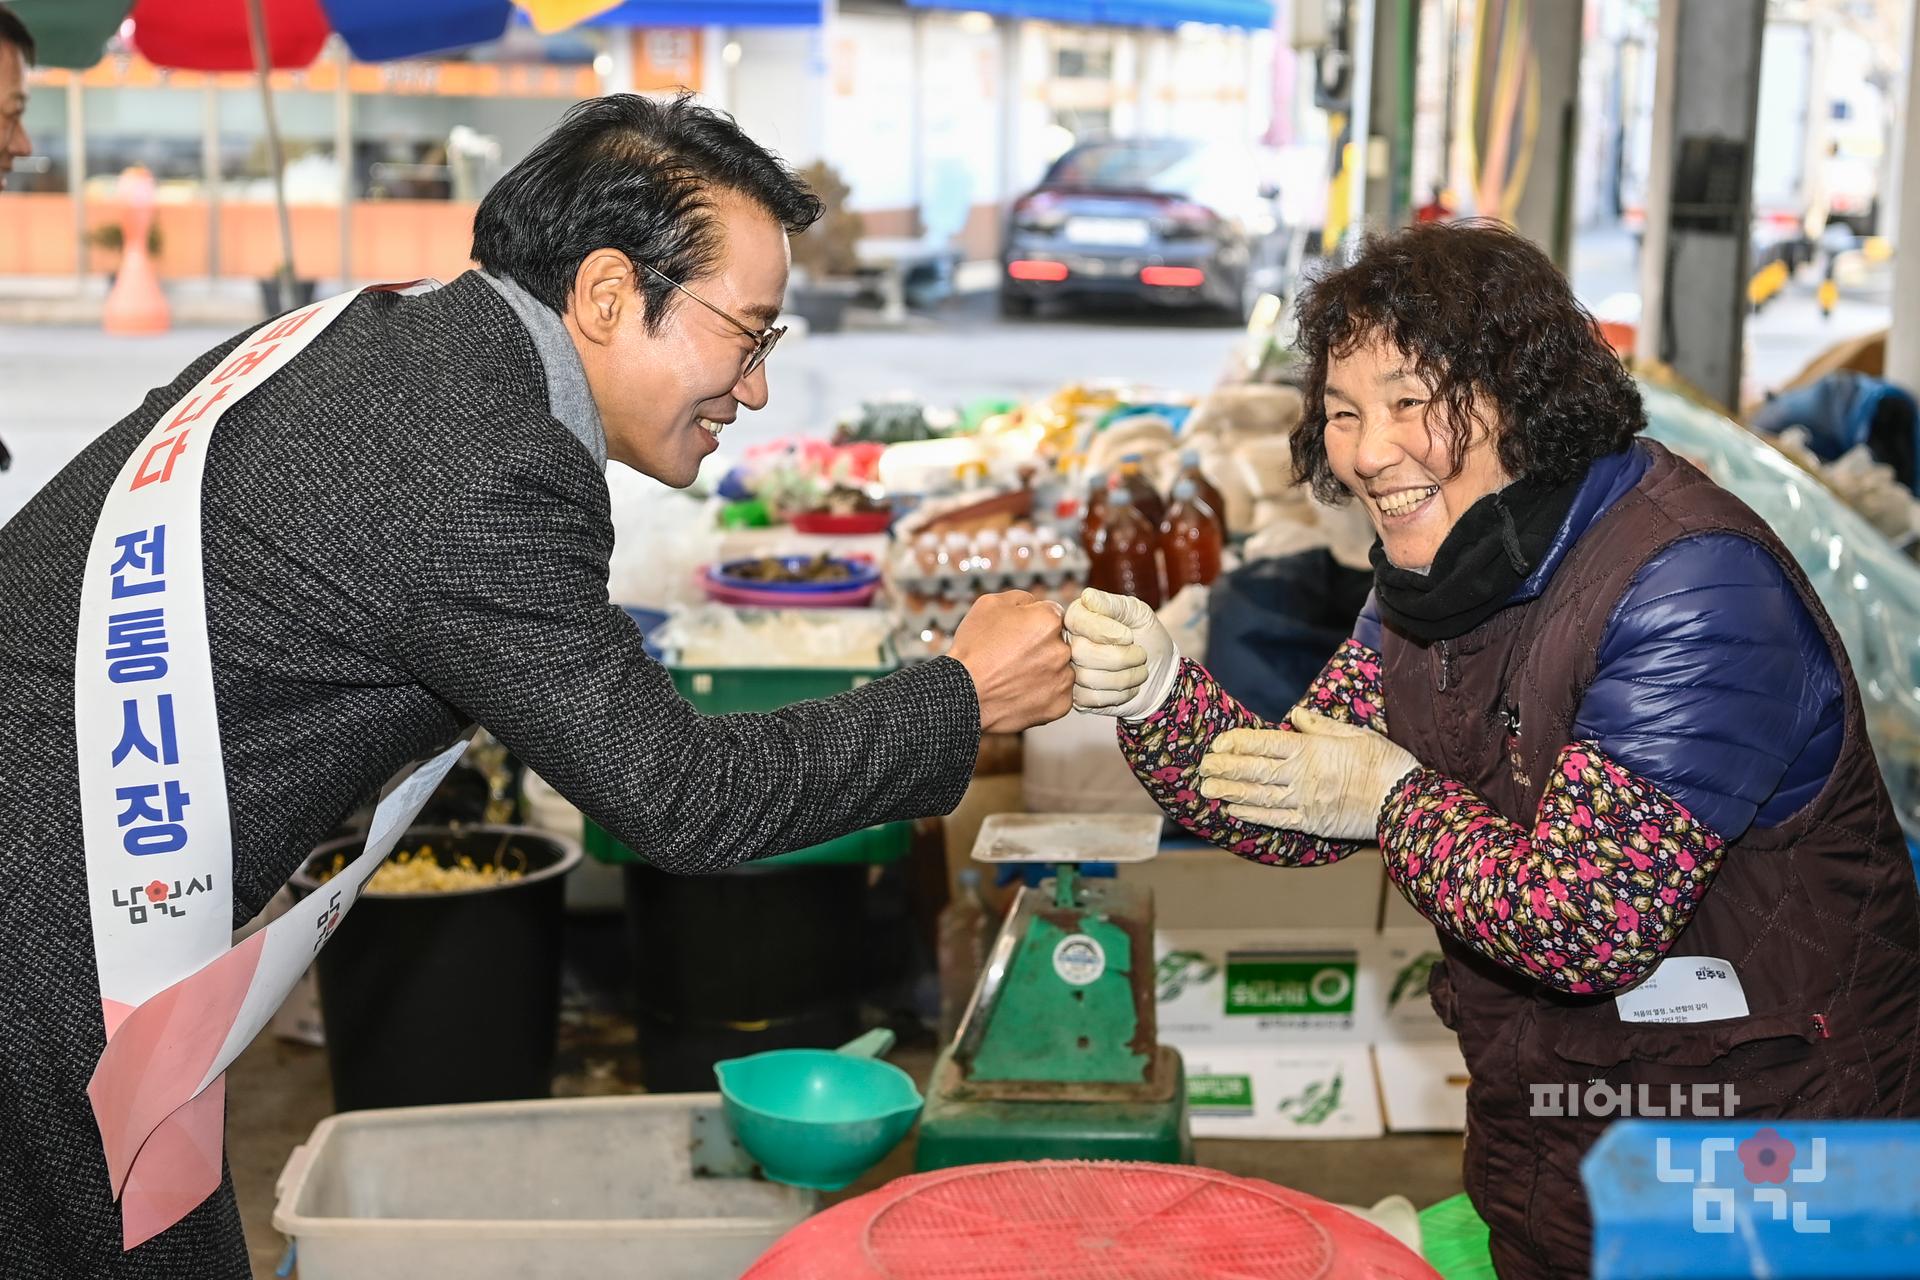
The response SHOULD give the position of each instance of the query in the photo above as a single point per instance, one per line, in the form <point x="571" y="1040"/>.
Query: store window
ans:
<point x="46" y="125"/>
<point x="1084" y="62"/>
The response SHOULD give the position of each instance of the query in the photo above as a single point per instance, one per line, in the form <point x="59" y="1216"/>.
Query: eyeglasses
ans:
<point x="763" y="339"/>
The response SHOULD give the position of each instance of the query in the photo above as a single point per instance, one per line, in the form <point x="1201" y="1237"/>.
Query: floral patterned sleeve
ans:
<point x="1165" y="751"/>
<point x="1588" y="901"/>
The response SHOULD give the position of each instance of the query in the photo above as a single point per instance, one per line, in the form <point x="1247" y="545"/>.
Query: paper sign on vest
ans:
<point x="178" y="1003"/>
<point x="1685" y="989"/>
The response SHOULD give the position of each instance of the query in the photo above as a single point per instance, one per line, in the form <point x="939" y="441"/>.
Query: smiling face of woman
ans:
<point x="1389" y="443"/>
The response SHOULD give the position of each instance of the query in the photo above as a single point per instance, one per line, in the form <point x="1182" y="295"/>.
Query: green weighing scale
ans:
<point x="1058" y="1055"/>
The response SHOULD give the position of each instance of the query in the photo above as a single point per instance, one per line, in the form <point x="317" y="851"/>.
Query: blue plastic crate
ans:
<point x="1789" y="1199"/>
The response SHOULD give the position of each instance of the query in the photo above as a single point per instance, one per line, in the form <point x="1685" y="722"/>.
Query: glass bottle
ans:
<point x="1205" y="489"/>
<point x="1190" y="541"/>
<point x="1099" y="489"/>
<point x="1145" y="496"/>
<point x="1126" y="553"/>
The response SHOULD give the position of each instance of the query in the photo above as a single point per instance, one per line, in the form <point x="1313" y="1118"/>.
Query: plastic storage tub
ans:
<point x="720" y="691"/>
<point x="548" y="1190"/>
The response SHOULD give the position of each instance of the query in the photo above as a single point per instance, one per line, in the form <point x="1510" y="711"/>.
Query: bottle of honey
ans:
<point x="1190" y="539"/>
<point x="1098" y="489"/>
<point x="1145" y="496"/>
<point x="1204" y="489"/>
<point x="1126" y="552"/>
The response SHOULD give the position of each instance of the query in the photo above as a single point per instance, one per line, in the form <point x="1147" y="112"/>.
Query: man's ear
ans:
<point x="604" y="293"/>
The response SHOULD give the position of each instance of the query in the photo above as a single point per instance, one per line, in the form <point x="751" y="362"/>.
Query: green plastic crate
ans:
<point x="1454" y="1240"/>
<point x="726" y="690"/>
<point x="731" y="690"/>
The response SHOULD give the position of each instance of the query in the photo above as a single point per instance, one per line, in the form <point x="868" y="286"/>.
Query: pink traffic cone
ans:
<point x="136" y="304"/>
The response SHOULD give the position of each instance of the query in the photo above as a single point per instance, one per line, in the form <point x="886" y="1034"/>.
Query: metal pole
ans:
<point x="343" y="154"/>
<point x="917" y="114"/>
<point x="1403" y="200"/>
<point x="1903" y="338"/>
<point x="77" y="173"/>
<point x="210" y="171"/>
<point x="257" y="33"/>
<point x="1361" y="128"/>
<point x="1009" y="110"/>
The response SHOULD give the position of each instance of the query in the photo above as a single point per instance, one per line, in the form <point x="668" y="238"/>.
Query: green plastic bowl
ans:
<point x="819" y="1118"/>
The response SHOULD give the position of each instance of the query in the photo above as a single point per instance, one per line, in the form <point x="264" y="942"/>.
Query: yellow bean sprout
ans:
<point x="419" y="871"/>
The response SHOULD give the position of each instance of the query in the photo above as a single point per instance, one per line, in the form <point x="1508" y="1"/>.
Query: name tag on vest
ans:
<point x="1685" y="989"/>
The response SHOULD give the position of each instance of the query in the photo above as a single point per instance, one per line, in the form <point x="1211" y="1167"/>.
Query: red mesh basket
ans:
<point x="1069" y="1220"/>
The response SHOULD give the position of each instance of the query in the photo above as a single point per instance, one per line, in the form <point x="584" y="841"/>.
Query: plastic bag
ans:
<point x="1870" y="590"/>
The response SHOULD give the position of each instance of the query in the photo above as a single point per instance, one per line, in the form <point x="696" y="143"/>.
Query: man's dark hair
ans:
<point x="14" y="32"/>
<point x="629" y="173"/>
<point x="1477" y="309"/>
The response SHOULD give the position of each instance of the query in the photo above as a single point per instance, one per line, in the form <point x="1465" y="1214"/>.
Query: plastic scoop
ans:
<point x="819" y="1118"/>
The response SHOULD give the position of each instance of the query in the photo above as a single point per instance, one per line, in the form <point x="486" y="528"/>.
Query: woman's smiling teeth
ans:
<point x="1398" y="504"/>
<point x="711" y="427"/>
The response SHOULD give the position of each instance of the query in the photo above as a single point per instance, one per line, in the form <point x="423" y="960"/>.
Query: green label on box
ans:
<point x="1291" y="983"/>
<point x="1220" y="1093"/>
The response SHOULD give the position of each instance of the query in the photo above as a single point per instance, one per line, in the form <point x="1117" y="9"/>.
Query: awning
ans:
<point x="1083" y="12"/>
<point x="71" y="33"/>
<point x="1252" y="14"/>
<point x="213" y="36"/>
<point x="381" y="30"/>
<point x="714" y="13"/>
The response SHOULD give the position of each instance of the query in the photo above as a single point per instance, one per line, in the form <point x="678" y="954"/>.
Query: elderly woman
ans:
<point x="1596" y="719"/>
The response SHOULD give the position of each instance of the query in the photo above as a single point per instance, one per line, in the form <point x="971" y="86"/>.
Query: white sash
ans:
<point x="179" y="1002"/>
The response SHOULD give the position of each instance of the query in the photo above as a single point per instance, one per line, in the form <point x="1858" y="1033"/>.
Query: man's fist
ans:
<point x="1022" y="669"/>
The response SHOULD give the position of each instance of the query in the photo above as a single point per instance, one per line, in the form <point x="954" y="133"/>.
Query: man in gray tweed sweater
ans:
<point x="407" y="530"/>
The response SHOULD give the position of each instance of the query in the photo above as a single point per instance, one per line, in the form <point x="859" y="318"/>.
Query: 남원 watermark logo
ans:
<point x="1601" y="1099"/>
<point x="1769" y="1164"/>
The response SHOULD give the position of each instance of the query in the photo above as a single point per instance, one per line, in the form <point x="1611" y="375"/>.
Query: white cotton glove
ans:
<point x="1329" y="779"/>
<point x="1124" y="662"/>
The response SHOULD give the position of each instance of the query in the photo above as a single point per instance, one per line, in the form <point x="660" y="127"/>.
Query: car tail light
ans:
<point x="1173" y="277"/>
<point x="1024" y="269"/>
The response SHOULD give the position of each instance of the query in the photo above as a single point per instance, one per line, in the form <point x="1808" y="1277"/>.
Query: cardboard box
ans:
<point x="1423" y="1086"/>
<point x="1405" y="959"/>
<point x="1324" y="1091"/>
<point x="1423" y="1078"/>
<point x="1199" y="886"/>
<point x="1282" y="987"/>
<point x="1396" y="912"/>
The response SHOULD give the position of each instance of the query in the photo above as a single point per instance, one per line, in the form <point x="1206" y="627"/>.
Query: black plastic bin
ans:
<point x="762" y="956"/>
<point x="435" y="998"/>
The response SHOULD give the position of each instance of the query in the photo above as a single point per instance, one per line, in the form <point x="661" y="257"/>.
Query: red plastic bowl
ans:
<point x="867" y="522"/>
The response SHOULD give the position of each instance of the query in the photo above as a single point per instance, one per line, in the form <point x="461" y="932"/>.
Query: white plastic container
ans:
<point x="562" y="1189"/>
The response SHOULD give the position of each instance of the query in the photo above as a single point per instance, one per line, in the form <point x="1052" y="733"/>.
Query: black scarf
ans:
<point x="1488" y="553"/>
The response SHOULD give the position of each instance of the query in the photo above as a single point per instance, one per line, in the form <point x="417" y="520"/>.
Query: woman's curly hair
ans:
<point x="1479" y="310"/>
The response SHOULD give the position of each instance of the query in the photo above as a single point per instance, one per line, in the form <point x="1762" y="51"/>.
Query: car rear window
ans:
<point x="1121" y="166"/>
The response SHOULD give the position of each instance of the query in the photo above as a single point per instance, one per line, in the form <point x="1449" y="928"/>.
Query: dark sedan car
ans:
<point x="1174" y="222"/>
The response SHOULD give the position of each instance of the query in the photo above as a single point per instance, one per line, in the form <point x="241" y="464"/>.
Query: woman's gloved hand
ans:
<point x="1329" y="779"/>
<point x="1124" y="662"/>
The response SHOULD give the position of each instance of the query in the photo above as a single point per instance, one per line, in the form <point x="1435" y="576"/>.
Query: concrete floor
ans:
<point x="278" y="1091"/>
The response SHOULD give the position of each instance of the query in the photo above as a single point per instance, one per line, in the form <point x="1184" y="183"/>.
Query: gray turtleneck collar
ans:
<point x="568" y="396"/>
